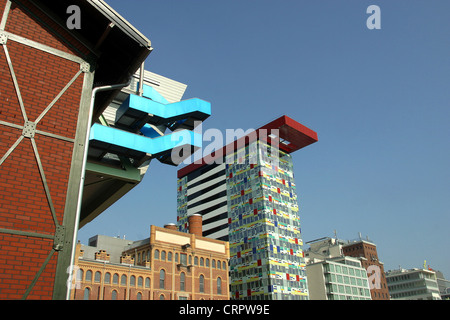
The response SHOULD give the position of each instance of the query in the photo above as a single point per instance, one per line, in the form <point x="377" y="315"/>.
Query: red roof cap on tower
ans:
<point x="292" y="134"/>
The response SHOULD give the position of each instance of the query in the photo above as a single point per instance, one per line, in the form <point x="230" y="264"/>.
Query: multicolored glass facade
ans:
<point x="266" y="255"/>
<point x="267" y="260"/>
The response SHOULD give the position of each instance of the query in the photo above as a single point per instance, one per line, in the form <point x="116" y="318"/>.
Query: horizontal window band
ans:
<point x="206" y="178"/>
<point x="206" y="200"/>
<point x="205" y="190"/>
<point x="218" y="217"/>
<point x="201" y="171"/>
<point x="214" y="230"/>
<point x="212" y="208"/>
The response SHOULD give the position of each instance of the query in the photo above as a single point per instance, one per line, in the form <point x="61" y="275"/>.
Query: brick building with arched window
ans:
<point x="169" y="265"/>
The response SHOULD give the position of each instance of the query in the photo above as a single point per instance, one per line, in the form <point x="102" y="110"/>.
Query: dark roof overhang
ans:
<point x="116" y="48"/>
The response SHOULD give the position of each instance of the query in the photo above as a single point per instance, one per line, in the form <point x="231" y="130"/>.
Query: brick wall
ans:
<point x="24" y="204"/>
<point x="369" y="252"/>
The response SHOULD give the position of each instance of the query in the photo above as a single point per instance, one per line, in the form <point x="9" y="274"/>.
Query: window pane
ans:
<point x="98" y="276"/>
<point x="162" y="277"/>
<point x="219" y="286"/>
<point x="183" y="259"/>
<point x="80" y="274"/>
<point x="182" y="281"/>
<point x="87" y="293"/>
<point x="202" y="283"/>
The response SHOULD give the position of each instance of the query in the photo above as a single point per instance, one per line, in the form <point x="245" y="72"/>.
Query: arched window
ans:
<point x="207" y="262"/>
<point x="163" y="255"/>
<point x="132" y="281"/>
<point x="114" y="295"/>
<point x="139" y="296"/>
<point x="224" y="265"/>
<point x="182" y="282"/>
<point x="202" y="262"/>
<point x="140" y="282"/>
<point x="80" y="274"/>
<point x="87" y="293"/>
<point x="219" y="286"/>
<point x="115" y="278"/>
<point x="123" y="280"/>
<point x="156" y="256"/>
<point x="213" y="263"/>
<point x="88" y="275"/>
<point x="147" y="282"/>
<point x="196" y="261"/>
<point x="218" y="264"/>
<point x="169" y="256"/>
<point x="202" y="283"/>
<point x="162" y="278"/>
<point x="161" y="297"/>
<point x="97" y="277"/>
<point x="107" y="278"/>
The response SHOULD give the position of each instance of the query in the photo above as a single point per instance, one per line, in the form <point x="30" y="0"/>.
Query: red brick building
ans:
<point x="169" y="265"/>
<point x="47" y="75"/>
<point x="367" y="252"/>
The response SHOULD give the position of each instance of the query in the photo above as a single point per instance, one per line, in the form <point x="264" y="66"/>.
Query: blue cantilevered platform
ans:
<point x="139" y="129"/>
<point x="151" y="108"/>
<point x="171" y="148"/>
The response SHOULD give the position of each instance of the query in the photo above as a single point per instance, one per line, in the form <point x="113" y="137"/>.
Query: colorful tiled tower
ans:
<point x="247" y="195"/>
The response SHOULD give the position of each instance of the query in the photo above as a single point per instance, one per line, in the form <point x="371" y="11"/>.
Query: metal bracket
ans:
<point x="29" y="129"/>
<point x="85" y="67"/>
<point x="3" y="38"/>
<point x="60" y="234"/>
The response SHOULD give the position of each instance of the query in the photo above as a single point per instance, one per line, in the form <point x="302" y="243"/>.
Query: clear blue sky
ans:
<point x="378" y="99"/>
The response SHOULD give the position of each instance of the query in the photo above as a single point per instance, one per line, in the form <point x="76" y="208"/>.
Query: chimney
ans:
<point x="171" y="226"/>
<point x="195" y="224"/>
<point x="127" y="259"/>
<point x="102" y="255"/>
